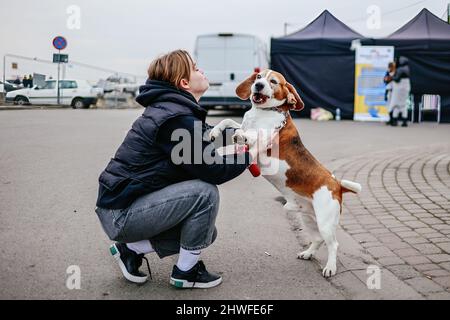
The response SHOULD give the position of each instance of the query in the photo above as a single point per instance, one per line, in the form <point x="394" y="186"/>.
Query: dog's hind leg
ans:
<point x="327" y="212"/>
<point x="310" y="225"/>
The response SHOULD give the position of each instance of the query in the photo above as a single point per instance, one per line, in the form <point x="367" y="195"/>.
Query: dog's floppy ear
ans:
<point x="243" y="89"/>
<point x="293" y="99"/>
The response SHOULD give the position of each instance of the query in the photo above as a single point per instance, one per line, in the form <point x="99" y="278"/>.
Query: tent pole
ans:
<point x="448" y="13"/>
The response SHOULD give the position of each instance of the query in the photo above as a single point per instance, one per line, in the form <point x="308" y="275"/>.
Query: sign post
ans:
<point x="59" y="43"/>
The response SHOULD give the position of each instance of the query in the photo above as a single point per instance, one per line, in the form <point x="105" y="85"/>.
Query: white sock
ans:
<point x="139" y="247"/>
<point x="187" y="259"/>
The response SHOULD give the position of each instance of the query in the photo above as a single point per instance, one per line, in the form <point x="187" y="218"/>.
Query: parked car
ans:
<point x="227" y="59"/>
<point x="76" y="93"/>
<point x="8" y="86"/>
<point x="120" y="84"/>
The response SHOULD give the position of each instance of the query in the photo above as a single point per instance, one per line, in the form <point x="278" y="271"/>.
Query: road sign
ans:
<point x="60" y="58"/>
<point x="60" y="43"/>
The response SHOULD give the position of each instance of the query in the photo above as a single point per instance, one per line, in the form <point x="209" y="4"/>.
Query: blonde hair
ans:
<point x="172" y="67"/>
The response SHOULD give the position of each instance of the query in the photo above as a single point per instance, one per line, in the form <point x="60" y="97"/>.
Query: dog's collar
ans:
<point x="272" y="109"/>
<point x="285" y="114"/>
<point x="283" y="123"/>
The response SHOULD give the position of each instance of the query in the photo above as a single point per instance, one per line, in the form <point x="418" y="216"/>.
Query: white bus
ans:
<point x="227" y="59"/>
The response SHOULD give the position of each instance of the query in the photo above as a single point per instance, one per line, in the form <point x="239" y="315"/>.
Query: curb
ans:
<point x="31" y="107"/>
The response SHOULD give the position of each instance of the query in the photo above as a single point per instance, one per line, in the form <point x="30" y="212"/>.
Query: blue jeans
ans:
<point x="182" y="214"/>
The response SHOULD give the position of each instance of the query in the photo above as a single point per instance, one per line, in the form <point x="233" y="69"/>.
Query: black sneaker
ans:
<point x="197" y="277"/>
<point x="129" y="262"/>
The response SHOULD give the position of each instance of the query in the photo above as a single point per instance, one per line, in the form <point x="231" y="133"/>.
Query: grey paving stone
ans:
<point x="438" y="240"/>
<point x="429" y="206"/>
<point x="380" y="231"/>
<point x="380" y="252"/>
<point x="373" y="226"/>
<point x="445" y="265"/>
<point x="443" y="281"/>
<point x="427" y="248"/>
<point x="438" y="258"/>
<point x="425" y="231"/>
<point x="433" y="235"/>
<point x="390" y="261"/>
<point x="352" y="226"/>
<point x="415" y="224"/>
<point x="406" y="217"/>
<point x="407" y="252"/>
<point x="404" y="271"/>
<point x="431" y="220"/>
<point x="424" y="215"/>
<point x="415" y="240"/>
<point x="365" y="237"/>
<point x="389" y="238"/>
<point x="357" y="231"/>
<point x="424" y="285"/>
<point x="423" y="201"/>
<point x="425" y="267"/>
<point x="445" y="246"/>
<point x="411" y="206"/>
<point x="414" y="260"/>
<point x="394" y="224"/>
<point x="370" y="244"/>
<point x="400" y="229"/>
<point x="398" y="245"/>
<point x="437" y="273"/>
<point x="407" y="234"/>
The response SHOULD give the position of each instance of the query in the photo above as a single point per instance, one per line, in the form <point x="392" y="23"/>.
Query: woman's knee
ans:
<point x="209" y="191"/>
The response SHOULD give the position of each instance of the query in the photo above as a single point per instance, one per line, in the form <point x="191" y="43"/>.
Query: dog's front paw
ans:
<point x="214" y="133"/>
<point x="239" y="137"/>
<point x="329" y="270"/>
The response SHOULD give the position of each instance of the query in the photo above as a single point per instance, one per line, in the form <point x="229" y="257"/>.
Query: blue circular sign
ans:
<point x="60" y="43"/>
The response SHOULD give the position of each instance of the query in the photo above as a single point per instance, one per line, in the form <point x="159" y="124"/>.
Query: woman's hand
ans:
<point x="262" y="141"/>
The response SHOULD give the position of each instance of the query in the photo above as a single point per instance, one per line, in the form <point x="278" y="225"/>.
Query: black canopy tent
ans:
<point x="425" y="40"/>
<point x="318" y="61"/>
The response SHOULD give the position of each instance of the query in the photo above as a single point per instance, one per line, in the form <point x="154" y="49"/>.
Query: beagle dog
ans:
<point x="307" y="185"/>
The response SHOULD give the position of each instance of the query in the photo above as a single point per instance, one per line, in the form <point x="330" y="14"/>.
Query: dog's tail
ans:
<point x="350" y="186"/>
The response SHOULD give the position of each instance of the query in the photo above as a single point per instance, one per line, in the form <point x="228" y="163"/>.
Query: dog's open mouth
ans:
<point x="259" y="98"/>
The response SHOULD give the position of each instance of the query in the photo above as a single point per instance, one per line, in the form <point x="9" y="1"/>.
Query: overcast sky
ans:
<point x="125" y="35"/>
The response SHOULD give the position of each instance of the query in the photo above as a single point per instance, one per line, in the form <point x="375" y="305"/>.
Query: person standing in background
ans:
<point x="25" y="81"/>
<point x="388" y="94"/>
<point x="401" y="87"/>
<point x="30" y="81"/>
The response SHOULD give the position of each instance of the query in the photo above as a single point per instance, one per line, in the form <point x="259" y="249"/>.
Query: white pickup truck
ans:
<point x="75" y="93"/>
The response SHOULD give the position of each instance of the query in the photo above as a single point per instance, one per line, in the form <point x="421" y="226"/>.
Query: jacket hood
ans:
<point x="155" y="91"/>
